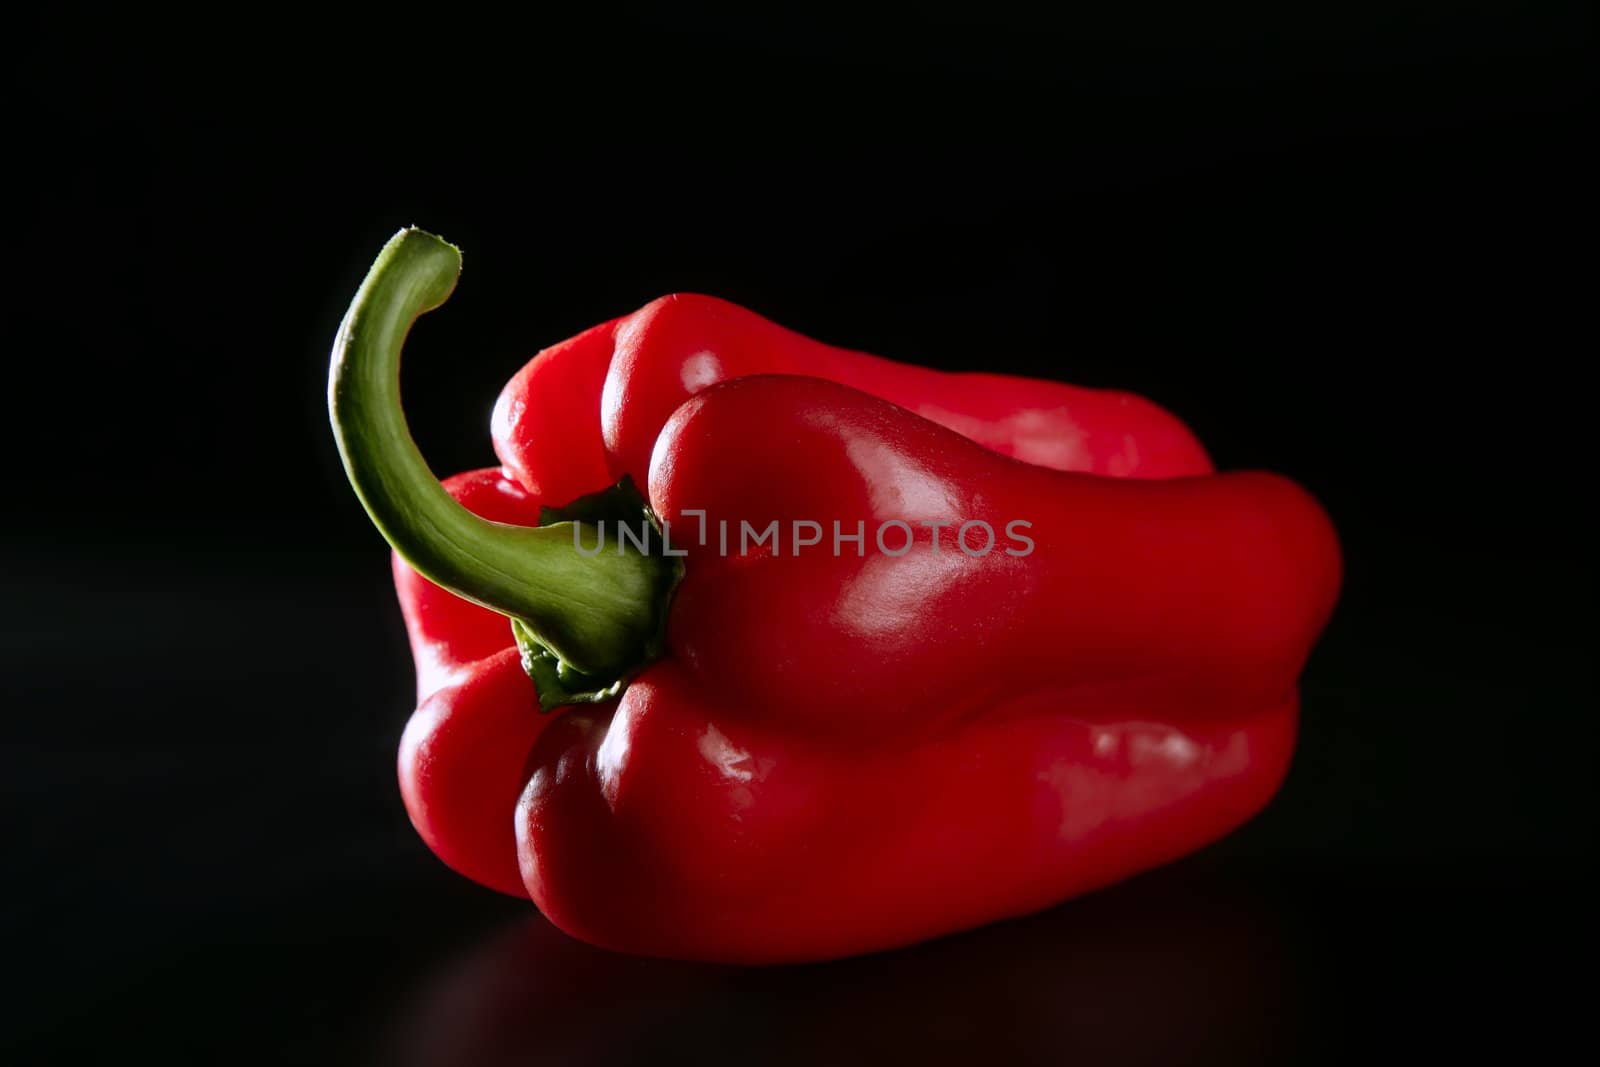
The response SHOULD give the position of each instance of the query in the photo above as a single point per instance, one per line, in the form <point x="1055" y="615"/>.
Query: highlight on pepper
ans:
<point x="768" y="754"/>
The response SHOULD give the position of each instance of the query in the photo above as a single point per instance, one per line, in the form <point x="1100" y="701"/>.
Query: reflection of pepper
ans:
<point x="816" y="754"/>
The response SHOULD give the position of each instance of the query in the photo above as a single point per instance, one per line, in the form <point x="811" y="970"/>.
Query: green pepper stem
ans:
<point x="600" y="615"/>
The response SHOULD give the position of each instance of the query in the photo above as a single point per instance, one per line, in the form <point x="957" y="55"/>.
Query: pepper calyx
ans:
<point x="558" y="683"/>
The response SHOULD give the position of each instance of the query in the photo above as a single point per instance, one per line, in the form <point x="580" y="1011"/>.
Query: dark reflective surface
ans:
<point x="1161" y="971"/>
<point x="1188" y="966"/>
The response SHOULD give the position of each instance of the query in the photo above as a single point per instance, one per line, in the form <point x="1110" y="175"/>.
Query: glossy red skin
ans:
<point x="843" y="754"/>
<point x="646" y="364"/>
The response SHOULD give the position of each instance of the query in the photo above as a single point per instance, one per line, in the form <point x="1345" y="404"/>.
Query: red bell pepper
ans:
<point x="799" y="751"/>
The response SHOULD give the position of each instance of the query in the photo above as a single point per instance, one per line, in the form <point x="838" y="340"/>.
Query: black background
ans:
<point x="1348" y="244"/>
